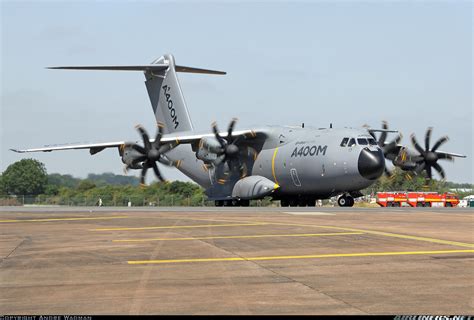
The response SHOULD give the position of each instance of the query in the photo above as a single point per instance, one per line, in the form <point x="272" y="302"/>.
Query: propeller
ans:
<point x="150" y="153"/>
<point x="428" y="158"/>
<point x="390" y="150"/>
<point x="229" y="153"/>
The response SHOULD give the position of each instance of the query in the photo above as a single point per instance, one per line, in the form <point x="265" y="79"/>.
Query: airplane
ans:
<point x="294" y="164"/>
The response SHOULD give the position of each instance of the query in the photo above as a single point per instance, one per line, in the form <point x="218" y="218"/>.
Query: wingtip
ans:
<point x="16" y="150"/>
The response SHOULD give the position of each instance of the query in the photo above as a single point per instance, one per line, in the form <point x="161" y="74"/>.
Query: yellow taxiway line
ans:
<point x="315" y="256"/>
<point x="63" y="219"/>
<point x="380" y="233"/>
<point x="242" y="237"/>
<point x="180" y="227"/>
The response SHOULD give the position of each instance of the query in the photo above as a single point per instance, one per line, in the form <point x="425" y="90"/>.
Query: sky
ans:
<point x="346" y="63"/>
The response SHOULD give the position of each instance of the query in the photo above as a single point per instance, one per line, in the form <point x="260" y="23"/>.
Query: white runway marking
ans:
<point x="310" y="213"/>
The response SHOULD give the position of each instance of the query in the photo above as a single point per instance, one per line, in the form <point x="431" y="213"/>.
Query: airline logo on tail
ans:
<point x="172" y="110"/>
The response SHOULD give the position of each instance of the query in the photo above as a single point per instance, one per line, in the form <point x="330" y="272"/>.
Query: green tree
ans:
<point x="25" y="177"/>
<point x="2" y="186"/>
<point x="85" y="185"/>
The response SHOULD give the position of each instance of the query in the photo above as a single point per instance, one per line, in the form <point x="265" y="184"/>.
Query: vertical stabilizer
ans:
<point x="166" y="97"/>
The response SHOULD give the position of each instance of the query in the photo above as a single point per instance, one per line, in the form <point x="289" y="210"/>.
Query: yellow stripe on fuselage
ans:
<point x="273" y="165"/>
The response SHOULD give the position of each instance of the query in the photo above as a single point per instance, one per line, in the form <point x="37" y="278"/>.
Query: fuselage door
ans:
<point x="294" y="177"/>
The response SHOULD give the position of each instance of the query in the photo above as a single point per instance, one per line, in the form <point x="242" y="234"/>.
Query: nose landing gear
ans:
<point x="345" y="201"/>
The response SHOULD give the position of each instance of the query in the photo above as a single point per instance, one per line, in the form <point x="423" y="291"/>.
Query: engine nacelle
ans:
<point x="209" y="147"/>
<point x="253" y="187"/>
<point x="129" y="155"/>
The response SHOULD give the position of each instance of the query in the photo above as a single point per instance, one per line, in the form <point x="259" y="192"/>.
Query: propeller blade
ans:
<point x="398" y="138"/>
<point x="157" y="171"/>
<point x="158" y="136"/>
<point x="216" y="133"/>
<point x="243" y="171"/>
<point x="428" y="138"/>
<point x="417" y="158"/>
<point x="139" y="149"/>
<point x="440" y="170"/>
<point x="420" y="168"/>
<point x="442" y="155"/>
<point x="439" y="143"/>
<point x="145" y="137"/>
<point x="416" y="145"/>
<point x="428" y="172"/>
<point x="165" y="148"/>
<point x="143" y="174"/>
<point x="383" y="136"/>
<point x="253" y="153"/>
<point x="230" y="129"/>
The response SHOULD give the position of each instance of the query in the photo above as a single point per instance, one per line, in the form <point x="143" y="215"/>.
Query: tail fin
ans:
<point x="163" y="87"/>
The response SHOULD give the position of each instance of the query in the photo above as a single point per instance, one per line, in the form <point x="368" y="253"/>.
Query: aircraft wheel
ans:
<point x="284" y="202"/>
<point x="449" y="204"/>
<point x="302" y="202"/>
<point x="219" y="203"/>
<point x="244" y="203"/>
<point x="427" y="204"/>
<point x="228" y="203"/>
<point x="293" y="202"/>
<point x="342" y="201"/>
<point x="419" y="204"/>
<point x="350" y="201"/>
<point x="311" y="202"/>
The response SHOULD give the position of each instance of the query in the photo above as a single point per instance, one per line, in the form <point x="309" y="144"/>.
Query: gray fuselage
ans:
<point x="303" y="161"/>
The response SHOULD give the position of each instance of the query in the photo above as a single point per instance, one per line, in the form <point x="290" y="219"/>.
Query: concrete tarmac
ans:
<point x="236" y="260"/>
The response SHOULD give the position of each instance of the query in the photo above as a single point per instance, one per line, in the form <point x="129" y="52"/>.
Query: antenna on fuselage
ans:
<point x="330" y="125"/>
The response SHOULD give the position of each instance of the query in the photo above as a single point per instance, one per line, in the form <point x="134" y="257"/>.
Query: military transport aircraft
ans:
<point x="293" y="164"/>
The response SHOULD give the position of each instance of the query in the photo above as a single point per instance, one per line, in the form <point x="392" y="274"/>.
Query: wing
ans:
<point x="178" y="138"/>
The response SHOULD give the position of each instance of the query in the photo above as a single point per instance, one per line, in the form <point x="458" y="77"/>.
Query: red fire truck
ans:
<point x="417" y="199"/>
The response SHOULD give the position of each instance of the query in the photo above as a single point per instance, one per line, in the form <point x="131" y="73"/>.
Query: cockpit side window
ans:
<point x="352" y="142"/>
<point x="362" y="141"/>
<point x="372" y="142"/>
<point x="344" y="142"/>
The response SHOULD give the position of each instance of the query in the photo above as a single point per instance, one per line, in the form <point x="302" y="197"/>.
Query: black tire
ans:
<point x="419" y="204"/>
<point x="293" y="202"/>
<point x="449" y="204"/>
<point x="311" y="203"/>
<point x="302" y="202"/>
<point x="219" y="203"/>
<point x="427" y="204"/>
<point x="284" y="202"/>
<point x="350" y="202"/>
<point x="342" y="201"/>
<point x="244" y="203"/>
<point x="228" y="203"/>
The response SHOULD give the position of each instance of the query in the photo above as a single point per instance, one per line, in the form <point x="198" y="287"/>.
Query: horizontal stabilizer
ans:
<point x="152" y="67"/>
<point x="149" y="67"/>
<point x="382" y="130"/>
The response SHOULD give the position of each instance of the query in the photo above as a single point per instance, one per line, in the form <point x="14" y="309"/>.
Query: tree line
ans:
<point x="29" y="179"/>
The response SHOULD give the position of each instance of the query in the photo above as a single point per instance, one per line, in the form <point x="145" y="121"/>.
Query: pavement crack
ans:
<point x="27" y="239"/>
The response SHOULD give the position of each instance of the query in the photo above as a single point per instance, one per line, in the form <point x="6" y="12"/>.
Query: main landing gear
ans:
<point x="232" y="203"/>
<point x="345" y="201"/>
<point x="298" y="202"/>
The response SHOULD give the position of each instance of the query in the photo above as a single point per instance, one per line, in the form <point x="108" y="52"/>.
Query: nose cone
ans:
<point x="371" y="163"/>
